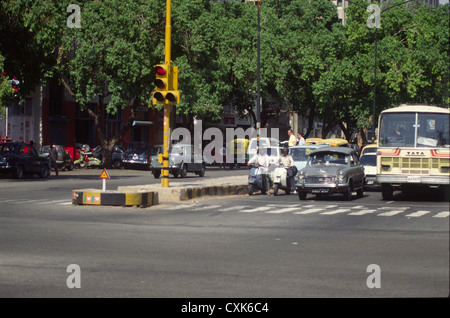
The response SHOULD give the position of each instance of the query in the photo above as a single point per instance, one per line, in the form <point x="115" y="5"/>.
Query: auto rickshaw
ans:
<point x="336" y="142"/>
<point x="237" y="154"/>
<point x="314" y="141"/>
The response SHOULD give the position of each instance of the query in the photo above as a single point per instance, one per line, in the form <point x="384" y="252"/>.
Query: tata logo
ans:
<point x="415" y="153"/>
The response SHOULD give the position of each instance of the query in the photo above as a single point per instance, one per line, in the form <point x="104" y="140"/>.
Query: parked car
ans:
<point x="20" y="159"/>
<point x="182" y="160"/>
<point x="301" y="153"/>
<point x="64" y="160"/>
<point x="369" y="162"/>
<point x="331" y="170"/>
<point x="138" y="154"/>
<point x="117" y="155"/>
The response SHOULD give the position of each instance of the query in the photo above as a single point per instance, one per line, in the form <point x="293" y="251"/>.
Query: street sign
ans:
<point x="104" y="174"/>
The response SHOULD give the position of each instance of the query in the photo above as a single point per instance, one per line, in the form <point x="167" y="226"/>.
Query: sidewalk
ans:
<point x="151" y="194"/>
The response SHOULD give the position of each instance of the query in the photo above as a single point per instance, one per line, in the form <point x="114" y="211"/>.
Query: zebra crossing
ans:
<point x="36" y="202"/>
<point x="332" y="209"/>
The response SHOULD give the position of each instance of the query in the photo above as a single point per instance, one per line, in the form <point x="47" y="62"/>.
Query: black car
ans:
<point x="138" y="155"/>
<point x="19" y="159"/>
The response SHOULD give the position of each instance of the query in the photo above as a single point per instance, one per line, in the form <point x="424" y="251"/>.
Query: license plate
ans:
<point x="319" y="191"/>
<point x="413" y="179"/>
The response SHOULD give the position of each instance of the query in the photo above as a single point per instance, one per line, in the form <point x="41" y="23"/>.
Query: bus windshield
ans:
<point x="414" y="130"/>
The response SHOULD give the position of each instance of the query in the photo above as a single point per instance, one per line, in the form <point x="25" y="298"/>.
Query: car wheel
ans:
<point x="117" y="163"/>
<point x="386" y="191"/>
<point x="44" y="173"/>
<point x="202" y="172"/>
<point x="302" y="195"/>
<point x="360" y="193"/>
<point x="18" y="173"/>
<point x="156" y="174"/>
<point x="348" y="193"/>
<point x="183" y="171"/>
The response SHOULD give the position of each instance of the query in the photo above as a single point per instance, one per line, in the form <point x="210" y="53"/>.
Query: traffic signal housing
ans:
<point x="166" y="83"/>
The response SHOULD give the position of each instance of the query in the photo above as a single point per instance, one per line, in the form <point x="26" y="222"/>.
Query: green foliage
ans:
<point x="310" y="63"/>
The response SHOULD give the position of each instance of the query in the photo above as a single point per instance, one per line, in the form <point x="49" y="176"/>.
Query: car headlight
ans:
<point x="341" y="177"/>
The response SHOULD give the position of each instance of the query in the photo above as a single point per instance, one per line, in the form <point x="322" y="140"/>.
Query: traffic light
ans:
<point x="161" y="83"/>
<point x="166" y="85"/>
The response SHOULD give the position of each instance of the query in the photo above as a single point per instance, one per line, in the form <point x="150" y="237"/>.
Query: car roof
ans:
<point x="344" y="150"/>
<point x="309" y="146"/>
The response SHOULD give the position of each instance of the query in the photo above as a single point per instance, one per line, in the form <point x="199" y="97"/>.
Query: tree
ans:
<point x="111" y="58"/>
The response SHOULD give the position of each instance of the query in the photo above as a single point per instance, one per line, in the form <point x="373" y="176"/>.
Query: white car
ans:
<point x="369" y="162"/>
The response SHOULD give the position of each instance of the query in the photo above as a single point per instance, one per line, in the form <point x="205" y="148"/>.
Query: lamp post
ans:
<point x="258" y="85"/>
<point x="377" y="15"/>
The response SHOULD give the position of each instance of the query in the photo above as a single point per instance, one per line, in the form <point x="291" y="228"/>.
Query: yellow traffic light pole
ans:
<point x="167" y="49"/>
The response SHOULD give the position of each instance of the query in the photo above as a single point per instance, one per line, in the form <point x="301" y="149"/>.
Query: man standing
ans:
<point x="292" y="139"/>
<point x="300" y="139"/>
<point x="53" y="156"/>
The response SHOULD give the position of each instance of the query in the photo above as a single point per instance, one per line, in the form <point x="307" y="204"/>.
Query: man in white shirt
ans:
<point x="300" y="139"/>
<point x="262" y="159"/>
<point x="287" y="162"/>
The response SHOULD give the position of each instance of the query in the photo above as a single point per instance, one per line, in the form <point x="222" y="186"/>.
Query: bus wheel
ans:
<point x="386" y="191"/>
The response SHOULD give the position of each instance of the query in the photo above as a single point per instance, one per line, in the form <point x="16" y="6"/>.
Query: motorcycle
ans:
<point x="255" y="180"/>
<point x="281" y="180"/>
<point x="87" y="160"/>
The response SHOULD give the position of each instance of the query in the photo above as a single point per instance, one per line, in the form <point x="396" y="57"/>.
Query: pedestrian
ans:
<point x="287" y="162"/>
<point x="292" y="139"/>
<point x="262" y="159"/>
<point x="300" y="139"/>
<point x="53" y="156"/>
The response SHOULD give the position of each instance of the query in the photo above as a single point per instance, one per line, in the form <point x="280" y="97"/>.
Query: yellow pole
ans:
<point x="165" y="170"/>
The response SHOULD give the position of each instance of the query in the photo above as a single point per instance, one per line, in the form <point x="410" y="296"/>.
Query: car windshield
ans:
<point x="300" y="154"/>
<point x="369" y="160"/>
<point x="327" y="158"/>
<point x="6" y="148"/>
<point x="138" y="147"/>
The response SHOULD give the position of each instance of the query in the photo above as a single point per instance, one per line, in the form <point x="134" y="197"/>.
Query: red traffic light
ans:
<point x="159" y="70"/>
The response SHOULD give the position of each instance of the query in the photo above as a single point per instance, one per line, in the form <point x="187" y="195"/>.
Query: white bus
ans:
<point x="413" y="148"/>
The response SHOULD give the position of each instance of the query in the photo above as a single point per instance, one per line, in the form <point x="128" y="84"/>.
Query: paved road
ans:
<point x="241" y="246"/>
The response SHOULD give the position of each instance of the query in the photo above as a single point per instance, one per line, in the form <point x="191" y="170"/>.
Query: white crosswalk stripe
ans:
<point x="442" y="215"/>
<point x="417" y="214"/>
<point x="273" y="208"/>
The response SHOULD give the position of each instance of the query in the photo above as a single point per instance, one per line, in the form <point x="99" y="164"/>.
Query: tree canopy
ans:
<point x="310" y="62"/>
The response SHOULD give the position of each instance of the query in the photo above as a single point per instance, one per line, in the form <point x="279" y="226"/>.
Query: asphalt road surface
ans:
<point x="258" y="247"/>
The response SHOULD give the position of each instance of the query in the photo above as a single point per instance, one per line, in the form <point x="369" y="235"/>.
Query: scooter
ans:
<point x="87" y="160"/>
<point x="255" y="179"/>
<point x="281" y="180"/>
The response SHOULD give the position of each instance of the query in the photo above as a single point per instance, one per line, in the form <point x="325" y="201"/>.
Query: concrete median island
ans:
<point x="152" y="194"/>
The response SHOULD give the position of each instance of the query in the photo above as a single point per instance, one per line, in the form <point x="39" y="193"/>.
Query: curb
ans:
<point x="114" y="198"/>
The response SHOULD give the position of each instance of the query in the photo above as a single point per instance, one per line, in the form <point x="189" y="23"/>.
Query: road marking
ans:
<point x="263" y="208"/>
<point x="417" y="214"/>
<point x="362" y="212"/>
<point x="308" y="211"/>
<point x="285" y="210"/>
<point x="207" y="207"/>
<point x="232" y="208"/>
<point x="181" y="206"/>
<point x="336" y="211"/>
<point x="391" y="213"/>
<point x="442" y="215"/>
